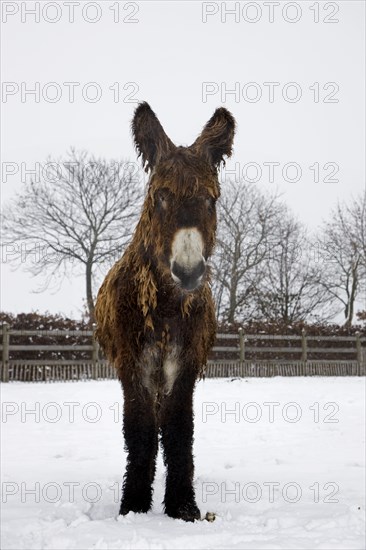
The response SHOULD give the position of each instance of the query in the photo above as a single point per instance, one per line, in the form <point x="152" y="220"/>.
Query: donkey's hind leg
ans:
<point x="141" y="443"/>
<point x="176" y="423"/>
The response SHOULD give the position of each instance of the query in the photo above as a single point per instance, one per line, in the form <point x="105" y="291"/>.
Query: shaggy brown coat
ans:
<point x="144" y="317"/>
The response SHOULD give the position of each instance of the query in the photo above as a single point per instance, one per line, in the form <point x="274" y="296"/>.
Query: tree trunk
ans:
<point x="232" y="301"/>
<point x="352" y="298"/>
<point x="89" y="292"/>
<point x="233" y="297"/>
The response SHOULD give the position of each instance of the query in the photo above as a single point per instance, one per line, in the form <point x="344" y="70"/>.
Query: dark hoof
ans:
<point x="126" y="507"/>
<point x="187" y="512"/>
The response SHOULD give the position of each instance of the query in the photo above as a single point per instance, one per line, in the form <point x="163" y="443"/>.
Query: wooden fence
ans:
<point x="299" y="357"/>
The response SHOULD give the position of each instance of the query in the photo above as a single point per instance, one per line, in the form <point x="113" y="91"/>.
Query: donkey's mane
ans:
<point x="184" y="173"/>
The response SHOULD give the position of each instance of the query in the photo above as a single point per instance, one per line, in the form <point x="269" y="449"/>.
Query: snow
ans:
<point x="284" y="470"/>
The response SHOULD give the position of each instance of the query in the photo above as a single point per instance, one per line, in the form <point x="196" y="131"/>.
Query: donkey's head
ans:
<point x="178" y="222"/>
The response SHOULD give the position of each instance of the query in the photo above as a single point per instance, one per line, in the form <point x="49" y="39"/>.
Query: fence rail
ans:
<point x="248" y="360"/>
<point x="64" y="371"/>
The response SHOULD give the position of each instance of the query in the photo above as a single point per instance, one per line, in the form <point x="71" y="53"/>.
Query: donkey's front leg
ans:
<point x="141" y="442"/>
<point x="177" y="439"/>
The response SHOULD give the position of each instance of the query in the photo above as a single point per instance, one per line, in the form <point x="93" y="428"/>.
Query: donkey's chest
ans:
<point x="159" y="368"/>
<point x="159" y="361"/>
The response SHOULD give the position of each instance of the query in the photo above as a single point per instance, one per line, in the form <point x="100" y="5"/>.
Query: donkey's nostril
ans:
<point x="189" y="279"/>
<point x="200" y="269"/>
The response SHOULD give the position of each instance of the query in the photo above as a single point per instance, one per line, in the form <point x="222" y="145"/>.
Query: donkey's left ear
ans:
<point x="216" y="139"/>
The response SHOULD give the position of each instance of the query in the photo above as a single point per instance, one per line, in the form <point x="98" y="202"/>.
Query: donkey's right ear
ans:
<point x="150" y="140"/>
<point x="216" y="139"/>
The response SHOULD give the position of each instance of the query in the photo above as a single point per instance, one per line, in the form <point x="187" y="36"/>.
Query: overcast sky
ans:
<point x="296" y="72"/>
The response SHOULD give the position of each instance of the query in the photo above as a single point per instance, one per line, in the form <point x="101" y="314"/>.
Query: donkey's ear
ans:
<point x="150" y="140"/>
<point x="216" y="139"/>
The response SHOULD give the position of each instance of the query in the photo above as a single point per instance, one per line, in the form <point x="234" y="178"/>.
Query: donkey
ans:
<point x="155" y="313"/>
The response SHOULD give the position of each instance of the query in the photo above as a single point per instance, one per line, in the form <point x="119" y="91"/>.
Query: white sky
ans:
<point x="168" y="54"/>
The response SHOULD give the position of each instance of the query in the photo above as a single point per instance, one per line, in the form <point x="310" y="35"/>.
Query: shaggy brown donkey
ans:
<point x="155" y="313"/>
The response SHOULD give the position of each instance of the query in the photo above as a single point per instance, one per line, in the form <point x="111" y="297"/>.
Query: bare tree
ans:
<point x="78" y="214"/>
<point x="290" y="289"/>
<point x="247" y="219"/>
<point x="343" y="253"/>
<point x="356" y="214"/>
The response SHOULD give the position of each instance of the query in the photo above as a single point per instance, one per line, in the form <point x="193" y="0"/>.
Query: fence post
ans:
<point x="359" y="352"/>
<point x="304" y="346"/>
<point x="6" y="340"/>
<point x="242" y="345"/>
<point x="95" y="354"/>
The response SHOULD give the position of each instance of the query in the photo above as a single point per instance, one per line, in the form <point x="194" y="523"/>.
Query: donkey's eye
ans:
<point x="163" y="202"/>
<point x="162" y="199"/>
<point x="210" y="202"/>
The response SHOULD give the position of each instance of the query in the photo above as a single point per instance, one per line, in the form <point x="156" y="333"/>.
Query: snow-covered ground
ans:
<point x="280" y="461"/>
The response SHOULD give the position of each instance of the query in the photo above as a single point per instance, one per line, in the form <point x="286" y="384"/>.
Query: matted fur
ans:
<point x="144" y="318"/>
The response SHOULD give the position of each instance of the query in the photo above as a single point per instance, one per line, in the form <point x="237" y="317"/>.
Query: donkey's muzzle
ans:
<point x="188" y="279"/>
